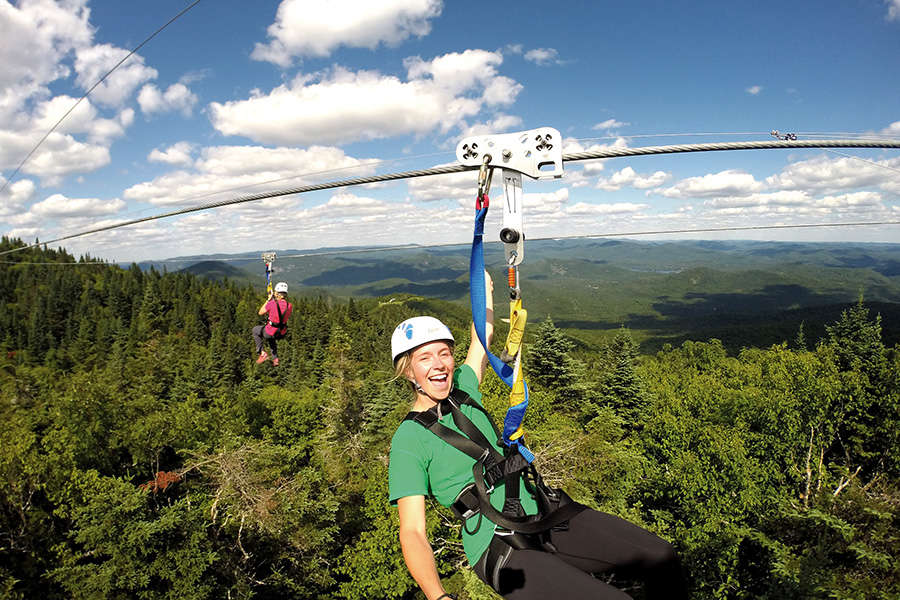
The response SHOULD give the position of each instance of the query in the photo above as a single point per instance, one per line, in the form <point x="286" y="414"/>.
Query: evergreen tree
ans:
<point x="549" y="362"/>
<point x="622" y="388"/>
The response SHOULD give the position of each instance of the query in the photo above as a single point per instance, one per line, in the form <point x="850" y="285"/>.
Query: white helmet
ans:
<point x="281" y="287"/>
<point x="416" y="331"/>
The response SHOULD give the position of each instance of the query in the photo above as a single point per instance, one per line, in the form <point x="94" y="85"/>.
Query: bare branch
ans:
<point x="844" y="484"/>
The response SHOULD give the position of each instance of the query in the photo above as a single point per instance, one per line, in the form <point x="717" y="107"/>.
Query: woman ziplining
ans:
<point x="523" y="538"/>
<point x="277" y="310"/>
<point x="556" y="563"/>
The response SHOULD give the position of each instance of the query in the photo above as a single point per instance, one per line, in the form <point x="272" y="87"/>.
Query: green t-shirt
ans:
<point x="422" y="464"/>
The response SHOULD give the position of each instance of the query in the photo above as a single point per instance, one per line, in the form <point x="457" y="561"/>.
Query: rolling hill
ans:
<point x="745" y="293"/>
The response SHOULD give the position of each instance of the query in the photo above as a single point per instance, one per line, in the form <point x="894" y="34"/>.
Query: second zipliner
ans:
<point x="277" y="311"/>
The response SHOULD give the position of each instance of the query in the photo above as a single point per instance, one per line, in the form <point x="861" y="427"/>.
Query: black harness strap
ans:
<point x="490" y="467"/>
<point x="281" y="326"/>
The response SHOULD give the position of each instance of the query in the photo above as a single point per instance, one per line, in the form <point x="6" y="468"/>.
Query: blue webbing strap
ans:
<point x="477" y="291"/>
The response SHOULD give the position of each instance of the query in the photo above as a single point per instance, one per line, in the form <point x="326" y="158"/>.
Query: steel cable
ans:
<point x="602" y="153"/>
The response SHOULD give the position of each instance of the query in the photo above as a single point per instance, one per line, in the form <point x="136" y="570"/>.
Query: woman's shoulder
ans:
<point x="465" y="380"/>
<point x="407" y="431"/>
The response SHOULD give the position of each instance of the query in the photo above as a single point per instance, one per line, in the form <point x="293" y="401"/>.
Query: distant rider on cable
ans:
<point x="278" y="310"/>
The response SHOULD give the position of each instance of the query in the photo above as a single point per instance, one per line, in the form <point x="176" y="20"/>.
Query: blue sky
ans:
<point x="237" y="94"/>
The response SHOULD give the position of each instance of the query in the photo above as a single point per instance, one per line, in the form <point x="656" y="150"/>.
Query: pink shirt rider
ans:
<point x="286" y="308"/>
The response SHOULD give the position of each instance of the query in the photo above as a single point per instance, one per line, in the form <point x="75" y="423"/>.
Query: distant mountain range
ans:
<point x="746" y="293"/>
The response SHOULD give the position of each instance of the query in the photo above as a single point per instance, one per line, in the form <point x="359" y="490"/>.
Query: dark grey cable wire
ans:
<point x="466" y="243"/>
<point x="576" y="156"/>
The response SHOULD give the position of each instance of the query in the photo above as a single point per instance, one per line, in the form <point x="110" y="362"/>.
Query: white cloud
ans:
<point x="16" y="195"/>
<point x="831" y="175"/>
<point x="92" y="62"/>
<point x="774" y="199"/>
<point x="460" y="187"/>
<point x="500" y="124"/>
<point x="609" y="124"/>
<point x="237" y="170"/>
<point x="176" y="154"/>
<point x="178" y="97"/>
<point x="893" y="10"/>
<point x="628" y="177"/>
<point x="61" y="155"/>
<point x="754" y="90"/>
<point x="543" y="56"/>
<point x="724" y="183"/>
<point x="893" y="128"/>
<point x="315" y="28"/>
<point x="45" y="42"/>
<point x="48" y="112"/>
<point x="36" y="35"/>
<point x="58" y="205"/>
<point x="439" y="94"/>
<point x="586" y="209"/>
<point x="545" y="203"/>
<point x="790" y="204"/>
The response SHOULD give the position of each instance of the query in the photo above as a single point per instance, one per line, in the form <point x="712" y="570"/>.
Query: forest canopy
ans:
<point x="145" y="455"/>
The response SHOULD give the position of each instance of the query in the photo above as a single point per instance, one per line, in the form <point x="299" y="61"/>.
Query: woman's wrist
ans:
<point x="446" y="595"/>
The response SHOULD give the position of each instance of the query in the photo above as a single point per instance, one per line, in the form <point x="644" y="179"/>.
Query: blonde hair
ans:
<point x="404" y="362"/>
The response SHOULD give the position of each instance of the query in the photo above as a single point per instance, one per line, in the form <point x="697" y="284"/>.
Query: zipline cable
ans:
<point x="870" y="162"/>
<point x="255" y="258"/>
<point x="87" y="93"/>
<point x="603" y="153"/>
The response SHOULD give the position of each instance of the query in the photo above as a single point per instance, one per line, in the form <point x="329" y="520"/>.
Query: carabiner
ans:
<point x="485" y="175"/>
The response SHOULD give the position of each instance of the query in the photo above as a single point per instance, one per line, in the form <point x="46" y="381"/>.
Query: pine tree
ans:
<point x="549" y="363"/>
<point x="622" y="388"/>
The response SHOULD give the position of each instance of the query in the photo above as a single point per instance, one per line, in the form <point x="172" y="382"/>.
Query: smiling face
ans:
<point x="431" y="367"/>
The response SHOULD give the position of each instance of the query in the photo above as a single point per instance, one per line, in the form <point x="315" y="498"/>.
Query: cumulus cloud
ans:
<point x="893" y="10"/>
<point x="628" y="177"/>
<point x="724" y="183"/>
<point x="92" y="62"/>
<point x="178" y="97"/>
<point x="893" y="128"/>
<point x="36" y="35"/>
<point x="500" y="124"/>
<point x="754" y="90"/>
<point x="59" y="205"/>
<point x="314" y="28"/>
<point x="16" y="195"/>
<point x="542" y="56"/>
<point x="546" y="203"/>
<point x="799" y="204"/>
<point x="46" y="42"/>
<point x="775" y="199"/>
<point x="438" y="94"/>
<point x="245" y="169"/>
<point x="609" y="124"/>
<point x="588" y="209"/>
<point x="833" y="175"/>
<point x="61" y="155"/>
<point x="176" y="154"/>
<point x="460" y="187"/>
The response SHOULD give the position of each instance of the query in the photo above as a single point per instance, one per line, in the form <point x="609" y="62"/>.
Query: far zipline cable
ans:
<point x="581" y="236"/>
<point x="603" y="153"/>
<point x="87" y="93"/>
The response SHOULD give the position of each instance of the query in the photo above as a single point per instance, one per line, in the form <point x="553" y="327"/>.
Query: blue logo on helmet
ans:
<point x="408" y="329"/>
